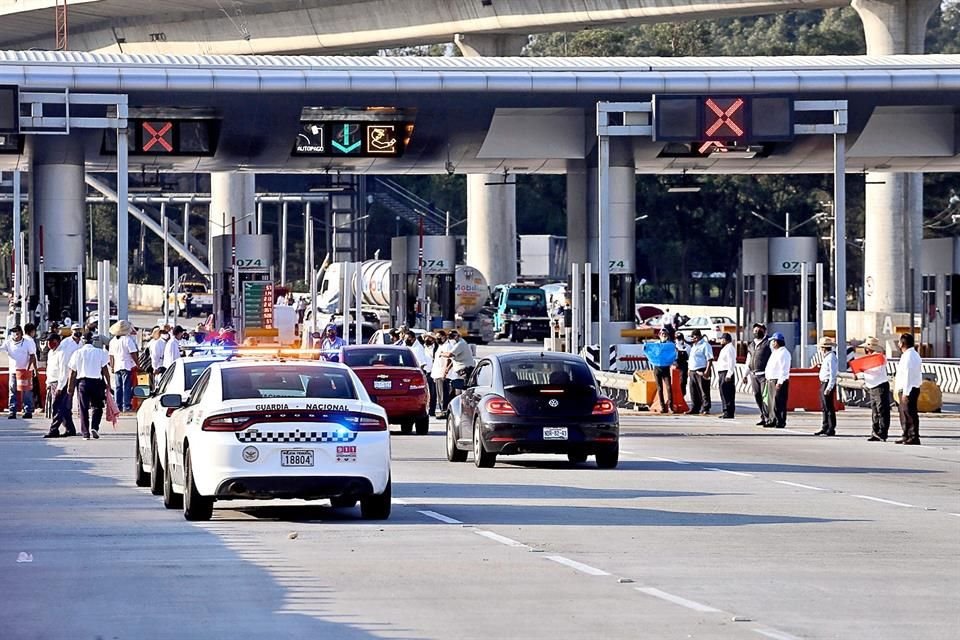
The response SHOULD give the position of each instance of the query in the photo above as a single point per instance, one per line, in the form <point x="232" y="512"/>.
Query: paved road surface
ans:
<point x="708" y="529"/>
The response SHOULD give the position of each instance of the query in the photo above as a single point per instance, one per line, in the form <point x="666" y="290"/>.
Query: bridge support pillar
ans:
<point x="58" y="204"/>
<point x="491" y="205"/>
<point x="232" y="195"/>
<point x="894" y="201"/>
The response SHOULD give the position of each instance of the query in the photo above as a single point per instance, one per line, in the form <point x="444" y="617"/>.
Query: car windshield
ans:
<point x="720" y="320"/>
<point x="307" y="381"/>
<point x="192" y="371"/>
<point x="520" y="373"/>
<point x="193" y="287"/>
<point x="373" y="357"/>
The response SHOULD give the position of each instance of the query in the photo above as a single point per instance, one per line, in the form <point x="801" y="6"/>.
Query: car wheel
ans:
<point x="406" y="428"/>
<point x="195" y="506"/>
<point x="608" y="457"/>
<point x="577" y="457"/>
<point x="156" y="471"/>
<point x="481" y="457"/>
<point x="343" y="502"/>
<point x="377" y="506"/>
<point x="171" y="499"/>
<point x="423" y="425"/>
<point x="453" y="453"/>
<point x="141" y="477"/>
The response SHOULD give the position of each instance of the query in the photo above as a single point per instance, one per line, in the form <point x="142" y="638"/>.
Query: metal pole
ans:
<point x="421" y="281"/>
<point x="283" y="244"/>
<point x="24" y="281"/>
<point x="357" y="277"/>
<point x="587" y="304"/>
<point x="447" y="225"/>
<point x="259" y="218"/>
<point x="176" y="299"/>
<point x="312" y="282"/>
<point x="819" y="298"/>
<point x="804" y="312"/>
<point x="576" y="302"/>
<point x="17" y="241"/>
<point x="123" y="220"/>
<point x="81" y="293"/>
<point x="308" y="248"/>
<point x="603" y="254"/>
<point x="911" y="288"/>
<point x="42" y="289"/>
<point x="840" y="241"/>
<point x="166" y="264"/>
<point x="186" y="225"/>
<point x="786" y="226"/>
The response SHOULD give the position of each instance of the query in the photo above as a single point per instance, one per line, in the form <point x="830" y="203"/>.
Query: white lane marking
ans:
<point x="579" y="566"/>
<point x="955" y="514"/>
<point x="893" y="502"/>
<point x="440" y="517"/>
<point x="398" y="501"/>
<point x="733" y="473"/>
<point x="496" y="537"/>
<point x="668" y="460"/>
<point x="802" y="486"/>
<point x="776" y="635"/>
<point x="683" y="602"/>
<point x="629" y="453"/>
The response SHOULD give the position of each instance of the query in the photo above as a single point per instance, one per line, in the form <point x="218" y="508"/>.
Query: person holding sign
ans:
<point x="662" y="356"/>
<point x="873" y="369"/>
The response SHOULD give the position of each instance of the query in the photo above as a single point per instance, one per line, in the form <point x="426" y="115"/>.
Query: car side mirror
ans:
<point x="141" y="391"/>
<point x="171" y="401"/>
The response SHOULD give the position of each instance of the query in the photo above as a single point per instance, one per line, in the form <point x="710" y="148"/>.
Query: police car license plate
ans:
<point x="296" y="458"/>
<point x="382" y="384"/>
<point x="554" y="433"/>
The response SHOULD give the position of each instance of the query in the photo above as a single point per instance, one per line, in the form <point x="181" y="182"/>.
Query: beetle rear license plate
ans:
<point x="296" y="458"/>
<point x="554" y="433"/>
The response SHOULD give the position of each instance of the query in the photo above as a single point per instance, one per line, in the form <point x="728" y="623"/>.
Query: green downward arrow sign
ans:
<point x="346" y="147"/>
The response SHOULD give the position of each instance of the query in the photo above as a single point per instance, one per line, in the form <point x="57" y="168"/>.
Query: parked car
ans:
<point x="710" y="326"/>
<point x="152" y="419"/>
<point x="393" y="379"/>
<point x="533" y="403"/>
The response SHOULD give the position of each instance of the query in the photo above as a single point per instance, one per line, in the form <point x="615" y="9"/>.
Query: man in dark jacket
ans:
<point x="758" y="352"/>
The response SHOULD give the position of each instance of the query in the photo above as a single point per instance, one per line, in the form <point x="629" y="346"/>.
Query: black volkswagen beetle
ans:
<point x="530" y="402"/>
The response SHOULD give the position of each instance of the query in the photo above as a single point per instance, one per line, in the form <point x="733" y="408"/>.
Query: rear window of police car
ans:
<point x="243" y="383"/>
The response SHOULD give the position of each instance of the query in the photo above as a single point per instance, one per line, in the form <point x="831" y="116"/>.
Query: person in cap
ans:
<point x="22" y="356"/>
<point x="777" y="374"/>
<point x="122" y="352"/>
<point x="877" y="383"/>
<point x="90" y="377"/>
<point x="758" y="353"/>
<point x="828" y="387"/>
<point x="726" y="377"/>
<point x="701" y="366"/>
<point x="907" y="389"/>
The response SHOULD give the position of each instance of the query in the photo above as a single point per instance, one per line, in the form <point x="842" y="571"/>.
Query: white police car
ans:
<point x="277" y="429"/>
<point x="152" y="419"/>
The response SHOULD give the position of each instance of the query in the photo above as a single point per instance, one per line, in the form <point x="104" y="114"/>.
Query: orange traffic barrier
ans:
<point x="39" y="395"/>
<point x="805" y="391"/>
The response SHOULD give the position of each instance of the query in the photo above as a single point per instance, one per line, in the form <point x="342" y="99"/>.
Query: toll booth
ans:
<point x="773" y="286"/>
<point x="940" y="296"/>
<point x="439" y="281"/>
<point x="242" y="278"/>
<point x="64" y="295"/>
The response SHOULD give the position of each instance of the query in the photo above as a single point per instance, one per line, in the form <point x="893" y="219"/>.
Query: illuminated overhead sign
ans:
<point x="167" y="137"/>
<point x="716" y="121"/>
<point x="350" y="139"/>
<point x="9" y="110"/>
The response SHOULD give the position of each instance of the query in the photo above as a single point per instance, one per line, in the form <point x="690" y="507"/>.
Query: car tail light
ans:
<point x="364" y="422"/>
<point x="500" y="407"/>
<point x="226" y="422"/>
<point x="604" y="407"/>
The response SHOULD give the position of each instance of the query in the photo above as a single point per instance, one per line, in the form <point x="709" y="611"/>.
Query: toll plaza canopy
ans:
<point x="475" y="115"/>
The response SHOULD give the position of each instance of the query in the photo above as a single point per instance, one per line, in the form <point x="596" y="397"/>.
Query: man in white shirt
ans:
<point x="123" y="348"/>
<point x="828" y="386"/>
<point x="158" y="347"/>
<point x="22" y="355"/>
<point x="90" y="377"/>
<point x="438" y="372"/>
<point x="171" y="352"/>
<point x="877" y="383"/>
<point x="907" y="389"/>
<point x="701" y="366"/>
<point x="726" y="376"/>
<point x="62" y="405"/>
<point x="423" y="360"/>
<point x="461" y="360"/>
<point x="777" y="375"/>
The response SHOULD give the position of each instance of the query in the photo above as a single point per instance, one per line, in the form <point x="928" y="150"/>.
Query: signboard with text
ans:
<point x="350" y="139"/>
<point x="258" y="305"/>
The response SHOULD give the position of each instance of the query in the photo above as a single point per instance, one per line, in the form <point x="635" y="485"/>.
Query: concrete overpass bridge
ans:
<point x="482" y="28"/>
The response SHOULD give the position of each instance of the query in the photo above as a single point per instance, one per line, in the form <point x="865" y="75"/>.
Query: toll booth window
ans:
<point x="441" y="291"/>
<point x="622" y="307"/>
<point x="784" y="300"/>
<point x="749" y="299"/>
<point x="928" y="297"/>
<point x="953" y="294"/>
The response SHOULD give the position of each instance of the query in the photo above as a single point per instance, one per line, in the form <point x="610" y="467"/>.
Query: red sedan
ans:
<point x="393" y="379"/>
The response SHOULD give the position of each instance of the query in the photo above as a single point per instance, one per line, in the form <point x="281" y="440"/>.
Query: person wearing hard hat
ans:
<point x="828" y="386"/>
<point x="777" y="374"/>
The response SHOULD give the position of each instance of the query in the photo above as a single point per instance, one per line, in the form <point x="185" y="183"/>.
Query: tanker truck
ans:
<point x="470" y="295"/>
